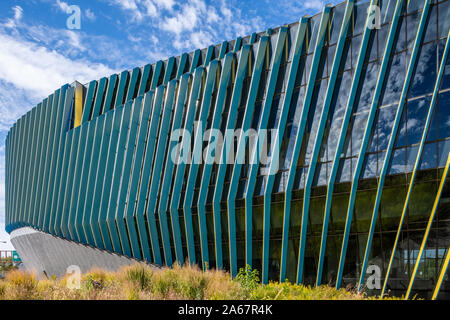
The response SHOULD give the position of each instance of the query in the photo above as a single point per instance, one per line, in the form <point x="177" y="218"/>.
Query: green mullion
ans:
<point x="168" y="72"/>
<point x="187" y="127"/>
<point x="121" y="87"/>
<point x="113" y="225"/>
<point x="194" y="62"/>
<point x="55" y="153"/>
<point x="142" y="193"/>
<point x="26" y="143"/>
<point x="398" y="116"/>
<point x="78" y="188"/>
<point x="23" y="136"/>
<point x="211" y="76"/>
<point x="418" y="158"/>
<point x="146" y="74"/>
<point x="297" y="49"/>
<point x="367" y="134"/>
<point x="132" y="85"/>
<point x="63" y="148"/>
<point x="43" y="160"/>
<point x="320" y="132"/>
<point x="39" y="161"/>
<point x="137" y="168"/>
<point x="207" y="168"/>
<point x="158" y="169"/>
<point x="345" y="123"/>
<point x="169" y="166"/>
<point x="55" y="111"/>
<point x="222" y="166"/>
<point x="89" y="218"/>
<point x="89" y="101"/>
<point x="156" y="74"/>
<point x="100" y="177"/>
<point x="234" y="181"/>
<point x="110" y="91"/>
<point x="130" y="151"/>
<point x="181" y="65"/>
<point x="256" y="153"/>
<point x="106" y="222"/>
<point x="100" y="94"/>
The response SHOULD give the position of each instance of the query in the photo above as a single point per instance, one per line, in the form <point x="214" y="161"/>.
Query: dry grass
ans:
<point x="140" y="282"/>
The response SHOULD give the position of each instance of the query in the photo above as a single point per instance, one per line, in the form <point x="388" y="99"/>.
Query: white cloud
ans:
<point x="14" y="21"/>
<point x="89" y="14"/>
<point x="39" y="70"/>
<point x="64" y="6"/>
<point x="18" y="12"/>
<point x="313" y="4"/>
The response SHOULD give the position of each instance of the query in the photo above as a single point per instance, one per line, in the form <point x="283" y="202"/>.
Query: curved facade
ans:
<point x="353" y="108"/>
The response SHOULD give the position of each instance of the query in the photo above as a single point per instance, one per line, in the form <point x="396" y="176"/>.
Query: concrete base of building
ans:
<point x="47" y="255"/>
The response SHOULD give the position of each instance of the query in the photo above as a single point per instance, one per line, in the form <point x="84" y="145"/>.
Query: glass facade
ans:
<point x="92" y="163"/>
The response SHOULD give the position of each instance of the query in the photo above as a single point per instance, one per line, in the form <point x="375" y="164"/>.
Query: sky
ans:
<point x="39" y="52"/>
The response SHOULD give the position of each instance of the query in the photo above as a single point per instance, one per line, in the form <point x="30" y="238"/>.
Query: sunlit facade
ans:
<point x="360" y="103"/>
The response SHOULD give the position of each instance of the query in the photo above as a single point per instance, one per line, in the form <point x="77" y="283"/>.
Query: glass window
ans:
<point x="370" y="166"/>
<point x="320" y="176"/>
<point x="336" y="22"/>
<point x="400" y="43"/>
<point x="312" y="31"/>
<point x="338" y="106"/>
<point x="394" y="83"/>
<point x="411" y="155"/>
<point x="397" y="164"/>
<point x="299" y="182"/>
<point x="430" y="31"/>
<point x="387" y="11"/>
<point x="417" y="115"/>
<point x="411" y="30"/>
<point x="445" y="82"/>
<point x="385" y="122"/>
<point x="359" y="16"/>
<point x="429" y="157"/>
<point x="330" y="56"/>
<point x="366" y="88"/>
<point x="444" y="149"/>
<point x="425" y="73"/>
<point x="356" y="47"/>
<point x="443" y="19"/>
<point x="400" y="139"/>
<point x="344" y="171"/>
<point x="358" y="128"/>
<point x="314" y="115"/>
<point x="414" y="5"/>
<point x="444" y="115"/>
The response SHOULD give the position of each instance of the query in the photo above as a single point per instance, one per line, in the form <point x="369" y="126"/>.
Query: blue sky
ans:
<point x="38" y="53"/>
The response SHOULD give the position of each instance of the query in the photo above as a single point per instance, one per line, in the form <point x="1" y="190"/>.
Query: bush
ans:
<point x="248" y="279"/>
<point x="140" y="276"/>
<point x="187" y="282"/>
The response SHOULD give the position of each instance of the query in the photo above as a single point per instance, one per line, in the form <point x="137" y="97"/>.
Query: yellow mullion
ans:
<point x="427" y="230"/>
<point x="78" y="104"/>
<point x="442" y="275"/>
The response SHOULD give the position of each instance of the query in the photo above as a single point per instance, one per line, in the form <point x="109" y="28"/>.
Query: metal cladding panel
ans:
<point x="357" y="96"/>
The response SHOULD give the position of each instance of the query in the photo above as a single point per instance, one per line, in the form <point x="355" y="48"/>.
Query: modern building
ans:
<point x="357" y="103"/>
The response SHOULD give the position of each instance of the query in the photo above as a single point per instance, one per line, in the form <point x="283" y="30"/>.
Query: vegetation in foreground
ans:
<point x="141" y="282"/>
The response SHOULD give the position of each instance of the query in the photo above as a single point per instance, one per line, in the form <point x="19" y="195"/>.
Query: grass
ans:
<point x="139" y="282"/>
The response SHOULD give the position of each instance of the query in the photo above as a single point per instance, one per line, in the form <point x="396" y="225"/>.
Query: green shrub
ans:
<point x="248" y="279"/>
<point x="140" y="276"/>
